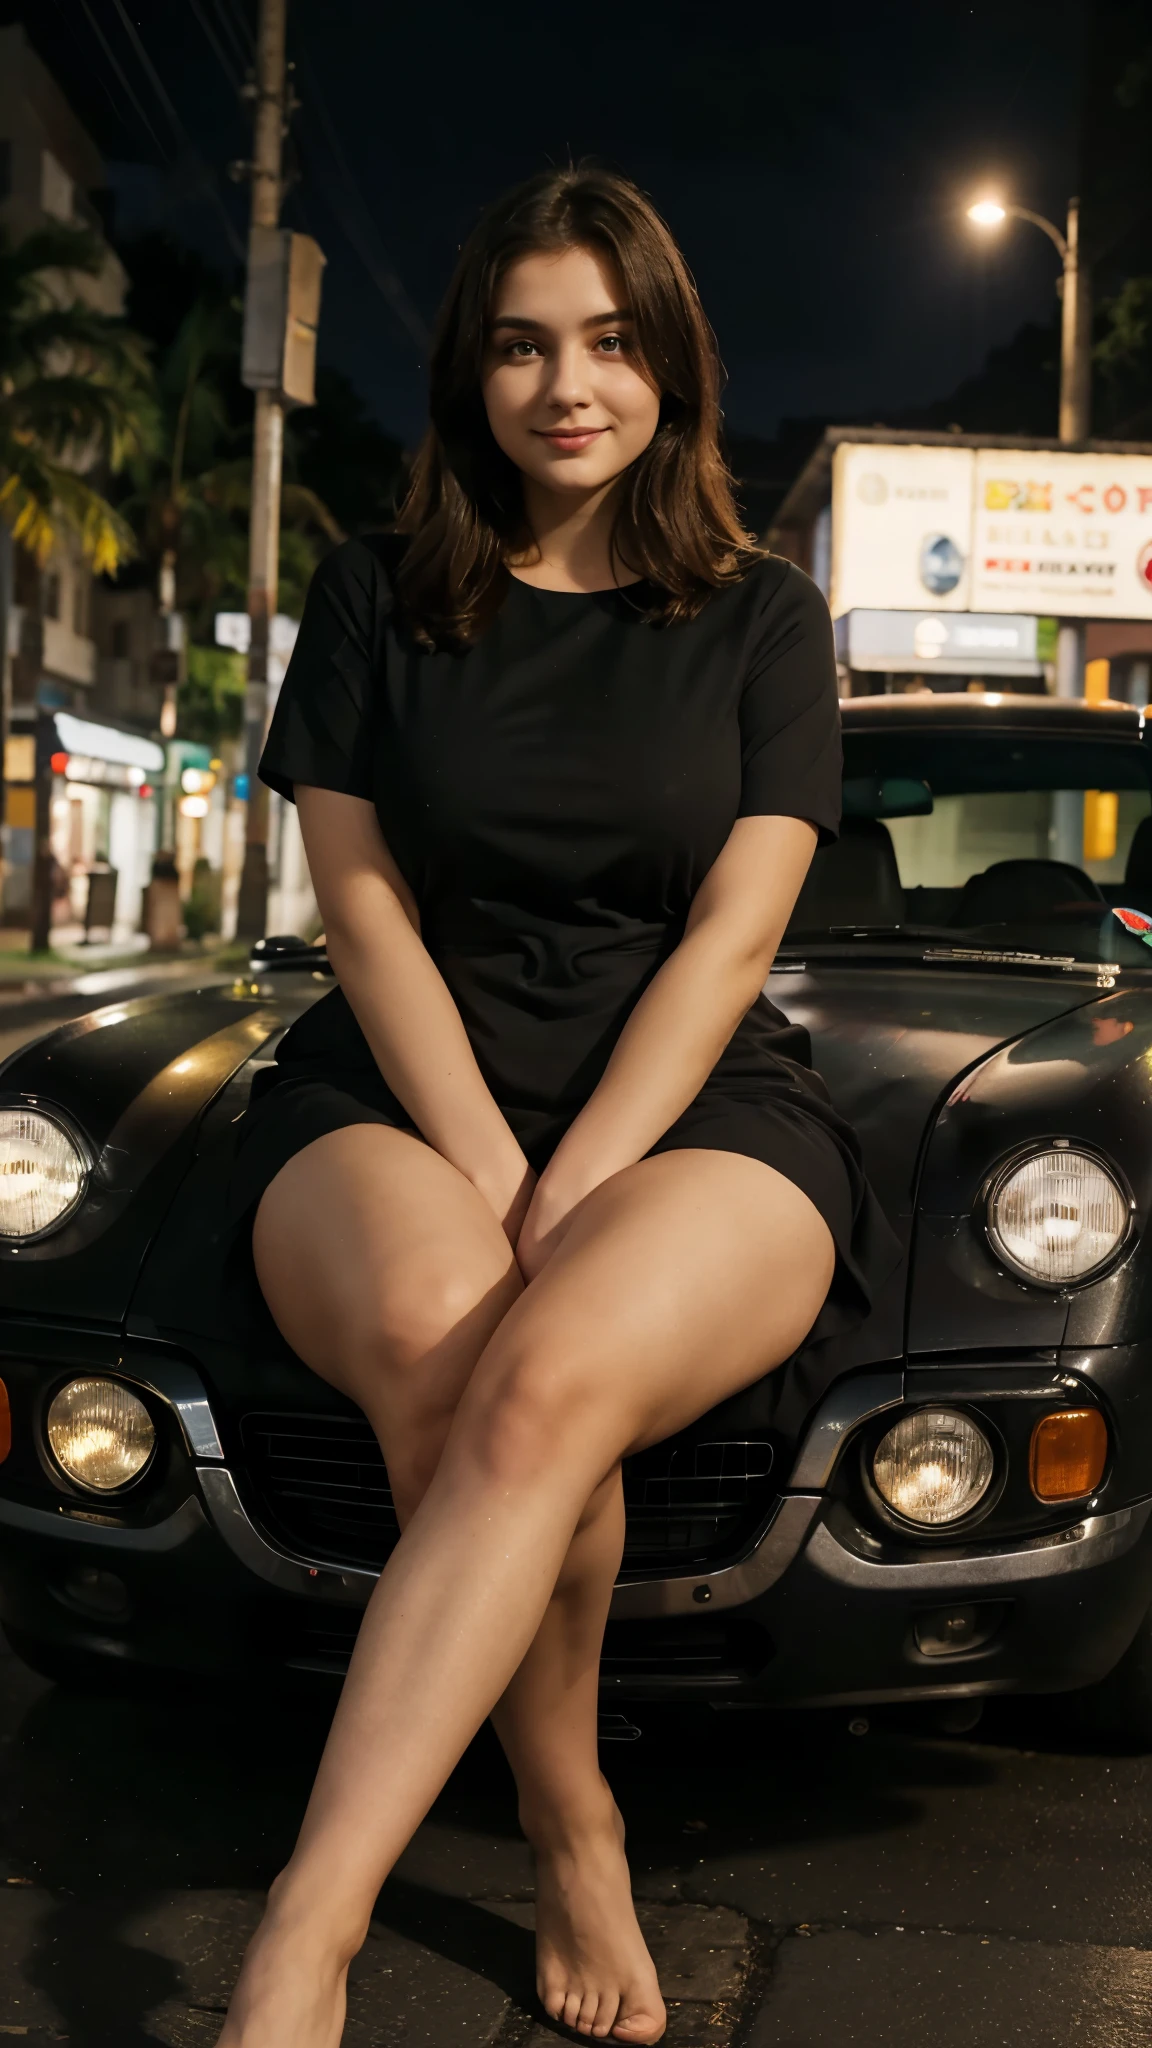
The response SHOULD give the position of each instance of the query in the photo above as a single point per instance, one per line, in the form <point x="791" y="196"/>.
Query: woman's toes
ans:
<point x="571" y="2011"/>
<point x="606" y="2013"/>
<point x="588" y="2009"/>
<point x="638" y="2027"/>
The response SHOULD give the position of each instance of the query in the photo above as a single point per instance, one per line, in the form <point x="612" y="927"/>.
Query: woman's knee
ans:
<point x="405" y="1325"/>
<point x="532" y="1406"/>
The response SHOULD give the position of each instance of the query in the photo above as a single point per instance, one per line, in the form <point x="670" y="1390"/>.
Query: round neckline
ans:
<point x="607" y="590"/>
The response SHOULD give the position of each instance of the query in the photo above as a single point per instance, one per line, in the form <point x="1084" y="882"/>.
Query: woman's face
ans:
<point x="567" y="399"/>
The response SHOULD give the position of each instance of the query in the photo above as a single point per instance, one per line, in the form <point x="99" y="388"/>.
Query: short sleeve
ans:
<point x="790" y="710"/>
<point x="321" y="730"/>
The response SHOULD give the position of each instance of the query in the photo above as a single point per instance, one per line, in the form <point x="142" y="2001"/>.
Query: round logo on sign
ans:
<point x="872" y="489"/>
<point x="1144" y="565"/>
<point x="941" y="564"/>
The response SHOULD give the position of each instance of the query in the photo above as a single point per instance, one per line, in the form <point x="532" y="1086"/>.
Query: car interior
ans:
<point x="869" y="877"/>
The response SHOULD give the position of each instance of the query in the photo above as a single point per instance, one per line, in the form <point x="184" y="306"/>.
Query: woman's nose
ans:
<point x="568" y="383"/>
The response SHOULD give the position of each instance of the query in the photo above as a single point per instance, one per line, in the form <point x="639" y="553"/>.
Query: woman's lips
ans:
<point x="570" y="443"/>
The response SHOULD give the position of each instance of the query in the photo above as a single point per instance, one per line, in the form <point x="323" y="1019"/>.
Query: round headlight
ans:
<point x="101" y="1435"/>
<point x="1057" y="1216"/>
<point x="43" y="1172"/>
<point x="933" y="1466"/>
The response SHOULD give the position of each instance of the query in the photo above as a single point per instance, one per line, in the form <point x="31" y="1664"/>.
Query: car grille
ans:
<point x="321" y="1485"/>
<point x="639" y="1656"/>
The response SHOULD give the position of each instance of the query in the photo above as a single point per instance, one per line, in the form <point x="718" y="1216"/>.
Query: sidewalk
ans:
<point x="73" y="968"/>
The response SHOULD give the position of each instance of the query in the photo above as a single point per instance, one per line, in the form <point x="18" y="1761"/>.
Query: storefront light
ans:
<point x="193" y="807"/>
<point x="59" y="764"/>
<point x="136" y="777"/>
<point x="197" y="781"/>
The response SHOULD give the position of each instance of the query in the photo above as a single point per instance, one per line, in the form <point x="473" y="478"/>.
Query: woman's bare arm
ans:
<point x="683" y="1021"/>
<point x="401" y="1001"/>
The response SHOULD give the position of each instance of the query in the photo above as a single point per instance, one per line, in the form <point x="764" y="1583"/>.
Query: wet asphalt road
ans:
<point x="802" y="1886"/>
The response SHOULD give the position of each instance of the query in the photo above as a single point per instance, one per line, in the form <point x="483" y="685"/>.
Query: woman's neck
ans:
<point x="571" y="545"/>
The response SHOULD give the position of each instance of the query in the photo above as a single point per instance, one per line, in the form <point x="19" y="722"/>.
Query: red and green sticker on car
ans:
<point x="1137" y="922"/>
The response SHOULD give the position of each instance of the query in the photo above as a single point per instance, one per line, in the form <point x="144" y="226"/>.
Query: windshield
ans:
<point x="1002" y="842"/>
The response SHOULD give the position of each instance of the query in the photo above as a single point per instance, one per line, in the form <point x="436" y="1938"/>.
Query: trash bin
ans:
<point x="100" y="906"/>
<point x="163" y="918"/>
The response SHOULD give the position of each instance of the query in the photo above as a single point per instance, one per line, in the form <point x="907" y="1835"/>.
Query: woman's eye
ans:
<point x="612" y="344"/>
<point x="523" y="350"/>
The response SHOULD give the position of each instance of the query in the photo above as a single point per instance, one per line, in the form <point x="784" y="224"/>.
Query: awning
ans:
<point x="107" y="743"/>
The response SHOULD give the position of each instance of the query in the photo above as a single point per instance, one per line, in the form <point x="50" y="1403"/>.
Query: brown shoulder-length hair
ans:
<point x="676" y="521"/>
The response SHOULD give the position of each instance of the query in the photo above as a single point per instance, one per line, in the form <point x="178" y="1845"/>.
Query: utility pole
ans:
<point x="1075" y="337"/>
<point x="267" y="465"/>
<point x="1075" y="384"/>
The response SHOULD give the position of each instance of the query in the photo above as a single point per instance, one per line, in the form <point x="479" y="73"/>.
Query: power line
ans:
<point x="207" y="180"/>
<point x="238" y="31"/>
<point x="217" y="47"/>
<point x="367" y="244"/>
<point x="121" y="75"/>
<point x="152" y="74"/>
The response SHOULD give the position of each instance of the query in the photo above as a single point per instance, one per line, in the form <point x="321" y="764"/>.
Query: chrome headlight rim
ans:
<point x="13" y="1240"/>
<point x="68" y="1482"/>
<point x="936" y="1535"/>
<point x="1011" y="1163"/>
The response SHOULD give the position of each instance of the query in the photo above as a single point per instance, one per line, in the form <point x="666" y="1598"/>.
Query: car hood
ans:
<point x="892" y="1043"/>
<point x="133" y="1080"/>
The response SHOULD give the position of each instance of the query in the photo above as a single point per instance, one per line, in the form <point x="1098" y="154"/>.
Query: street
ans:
<point x="800" y="1885"/>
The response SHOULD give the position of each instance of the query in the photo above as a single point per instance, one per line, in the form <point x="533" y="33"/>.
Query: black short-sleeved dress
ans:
<point x="554" y="796"/>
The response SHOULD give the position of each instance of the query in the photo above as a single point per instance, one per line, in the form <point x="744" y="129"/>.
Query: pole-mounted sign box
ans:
<point x="282" y="314"/>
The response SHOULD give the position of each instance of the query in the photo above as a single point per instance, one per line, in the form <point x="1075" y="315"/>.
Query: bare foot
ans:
<point x="593" y="1970"/>
<point x="290" y="1994"/>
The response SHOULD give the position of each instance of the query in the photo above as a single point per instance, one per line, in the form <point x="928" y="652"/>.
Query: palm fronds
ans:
<point x="75" y="391"/>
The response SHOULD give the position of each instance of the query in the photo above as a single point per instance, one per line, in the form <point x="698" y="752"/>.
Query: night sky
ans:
<point x="813" y="160"/>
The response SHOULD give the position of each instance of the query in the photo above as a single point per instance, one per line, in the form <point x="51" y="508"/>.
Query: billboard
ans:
<point x="992" y="530"/>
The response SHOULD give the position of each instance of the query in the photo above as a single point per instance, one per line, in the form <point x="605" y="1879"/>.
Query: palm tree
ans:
<point x="74" y="391"/>
<point x="190" y="499"/>
<point x="74" y="395"/>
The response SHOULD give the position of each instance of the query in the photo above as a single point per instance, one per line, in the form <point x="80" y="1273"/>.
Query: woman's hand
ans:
<point x="557" y="1196"/>
<point x="508" y="1188"/>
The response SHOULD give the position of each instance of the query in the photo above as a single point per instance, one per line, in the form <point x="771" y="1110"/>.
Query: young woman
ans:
<point x="547" y="1177"/>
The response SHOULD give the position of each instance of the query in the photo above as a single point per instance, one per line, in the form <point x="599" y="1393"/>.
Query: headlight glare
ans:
<point x="933" y="1466"/>
<point x="43" y="1172"/>
<point x="1057" y="1217"/>
<point x="101" y="1434"/>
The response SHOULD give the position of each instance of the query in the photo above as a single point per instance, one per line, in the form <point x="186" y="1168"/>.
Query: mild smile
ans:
<point x="570" y="439"/>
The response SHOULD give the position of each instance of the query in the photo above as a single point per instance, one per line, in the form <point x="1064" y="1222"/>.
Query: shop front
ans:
<point x="103" y="823"/>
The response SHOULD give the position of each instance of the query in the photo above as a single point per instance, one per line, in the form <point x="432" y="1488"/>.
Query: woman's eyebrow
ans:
<point x="524" y="320"/>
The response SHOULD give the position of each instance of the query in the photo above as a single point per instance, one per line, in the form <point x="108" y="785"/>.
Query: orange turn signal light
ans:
<point x="5" y="1423"/>
<point x="1068" y="1454"/>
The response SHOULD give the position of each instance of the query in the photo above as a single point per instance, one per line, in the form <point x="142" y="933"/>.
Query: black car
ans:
<point x="952" y="1502"/>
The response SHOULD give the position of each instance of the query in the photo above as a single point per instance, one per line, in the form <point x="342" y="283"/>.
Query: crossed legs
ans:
<point x="503" y="1414"/>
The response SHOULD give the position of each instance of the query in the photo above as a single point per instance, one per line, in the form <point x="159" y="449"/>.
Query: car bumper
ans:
<point x="805" y="1618"/>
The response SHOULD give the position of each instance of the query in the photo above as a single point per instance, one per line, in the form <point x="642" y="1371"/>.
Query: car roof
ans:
<point x="992" y="711"/>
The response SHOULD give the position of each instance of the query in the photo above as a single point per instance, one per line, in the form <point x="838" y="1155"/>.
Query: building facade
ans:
<point x="71" y="644"/>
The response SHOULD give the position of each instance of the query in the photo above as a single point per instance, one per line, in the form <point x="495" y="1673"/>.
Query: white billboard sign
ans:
<point x="901" y="526"/>
<point x="992" y="530"/>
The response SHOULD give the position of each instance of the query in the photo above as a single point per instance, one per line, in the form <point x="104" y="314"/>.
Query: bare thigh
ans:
<point x="386" y="1272"/>
<point x="680" y="1281"/>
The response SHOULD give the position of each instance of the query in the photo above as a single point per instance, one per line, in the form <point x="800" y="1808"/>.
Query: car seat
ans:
<point x="1011" y="891"/>
<point x="854" y="881"/>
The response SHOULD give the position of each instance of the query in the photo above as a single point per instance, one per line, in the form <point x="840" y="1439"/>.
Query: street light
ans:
<point x="1075" y="391"/>
<point x="1076" y="324"/>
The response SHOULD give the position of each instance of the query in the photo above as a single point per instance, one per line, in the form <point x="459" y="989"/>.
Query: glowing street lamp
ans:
<point x="1076" y="323"/>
